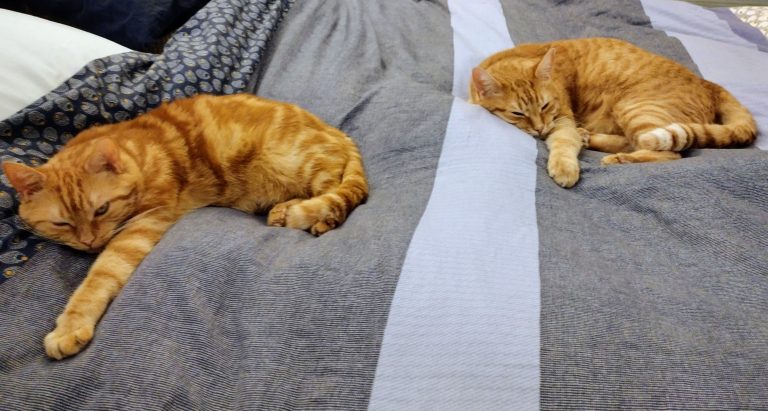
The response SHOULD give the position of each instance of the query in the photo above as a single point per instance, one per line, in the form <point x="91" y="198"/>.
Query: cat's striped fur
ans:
<point x="611" y="95"/>
<point x="119" y="187"/>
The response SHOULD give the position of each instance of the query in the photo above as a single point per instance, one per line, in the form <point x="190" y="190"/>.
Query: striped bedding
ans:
<point x="469" y="279"/>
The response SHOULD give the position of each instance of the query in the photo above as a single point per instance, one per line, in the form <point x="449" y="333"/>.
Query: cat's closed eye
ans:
<point x="102" y="210"/>
<point x="545" y="106"/>
<point x="517" y="113"/>
<point x="61" y="224"/>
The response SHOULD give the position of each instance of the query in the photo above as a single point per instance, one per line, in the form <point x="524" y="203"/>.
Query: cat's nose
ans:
<point x="87" y="239"/>
<point x="543" y="131"/>
<point x="537" y="132"/>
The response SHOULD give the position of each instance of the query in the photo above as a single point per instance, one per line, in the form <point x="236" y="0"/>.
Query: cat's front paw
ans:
<point x="69" y="338"/>
<point x="565" y="171"/>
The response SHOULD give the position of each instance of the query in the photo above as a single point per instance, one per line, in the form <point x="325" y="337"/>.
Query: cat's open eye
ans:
<point x="102" y="210"/>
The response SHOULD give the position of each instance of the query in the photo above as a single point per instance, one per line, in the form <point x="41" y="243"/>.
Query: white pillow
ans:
<point x="39" y="55"/>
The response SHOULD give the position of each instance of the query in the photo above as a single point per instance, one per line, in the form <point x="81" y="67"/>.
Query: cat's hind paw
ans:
<point x="278" y="215"/>
<point x="322" y="227"/>
<point x="311" y="215"/>
<point x="618" y="158"/>
<point x="66" y="341"/>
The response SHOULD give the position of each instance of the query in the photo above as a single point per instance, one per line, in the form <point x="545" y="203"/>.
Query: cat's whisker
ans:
<point x="33" y="231"/>
<point x="47" y="237"/>
<point x="26" y="227"/>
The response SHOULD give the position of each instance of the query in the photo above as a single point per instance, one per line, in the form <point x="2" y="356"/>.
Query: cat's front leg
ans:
<point x="109" y="273"/>
<point x="564" y="145"/>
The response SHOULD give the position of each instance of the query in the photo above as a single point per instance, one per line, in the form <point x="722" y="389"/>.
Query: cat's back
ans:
<point x="217" y="115"/>
<point x="605" y="60"/>
<point x="207" y="126"/>
<point x="210" y="111"/>
<point x="598" y="59"/>
<point x="227" y="109"/>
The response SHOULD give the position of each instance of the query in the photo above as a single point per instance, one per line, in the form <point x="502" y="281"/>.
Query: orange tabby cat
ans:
<point x="627" y="101"/>
<point x="120" y="187"/>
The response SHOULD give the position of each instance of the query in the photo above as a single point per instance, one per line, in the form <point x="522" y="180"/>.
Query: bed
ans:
<point x="468" y="280"/>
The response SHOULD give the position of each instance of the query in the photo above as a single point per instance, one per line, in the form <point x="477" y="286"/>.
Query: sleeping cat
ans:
<point x="117" y="188"/>
<point x="611" y="96"/>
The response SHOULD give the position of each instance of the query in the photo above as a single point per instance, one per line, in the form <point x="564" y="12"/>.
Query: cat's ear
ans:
<point x="544" y="69"/>
<point x="484" y="83"/>
<point x="25" y="179"/>
<point x="105" y="157"/>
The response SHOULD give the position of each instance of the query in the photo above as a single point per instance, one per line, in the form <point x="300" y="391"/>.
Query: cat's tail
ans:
<point x="325" y="212"/>
<point x="737" y="128"/>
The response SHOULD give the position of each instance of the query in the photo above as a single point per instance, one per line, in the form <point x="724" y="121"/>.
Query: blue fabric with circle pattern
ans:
<point x="217" y="51"/>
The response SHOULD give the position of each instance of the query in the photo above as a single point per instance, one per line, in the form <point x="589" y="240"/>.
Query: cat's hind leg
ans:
<point x="607" y="143"/>
<point x="671" y="137"/>
<point x="334" y="198"/>
<point x="640" y="156"/>
<point x="653" y="125"/>
<point x="318" y="214"/>
<point x="643" y="123"/>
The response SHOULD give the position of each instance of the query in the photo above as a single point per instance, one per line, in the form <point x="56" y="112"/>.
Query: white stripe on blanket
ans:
<point x="711" y="44"/>
<point x="463" y="330"/>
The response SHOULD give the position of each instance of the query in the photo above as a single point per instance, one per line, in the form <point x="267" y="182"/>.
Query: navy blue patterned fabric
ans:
<point x="217" y="51"/>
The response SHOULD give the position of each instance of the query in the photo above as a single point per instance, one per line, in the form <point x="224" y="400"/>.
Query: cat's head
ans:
<point x="521" y="94"/>
<point x="81" y="197"/>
